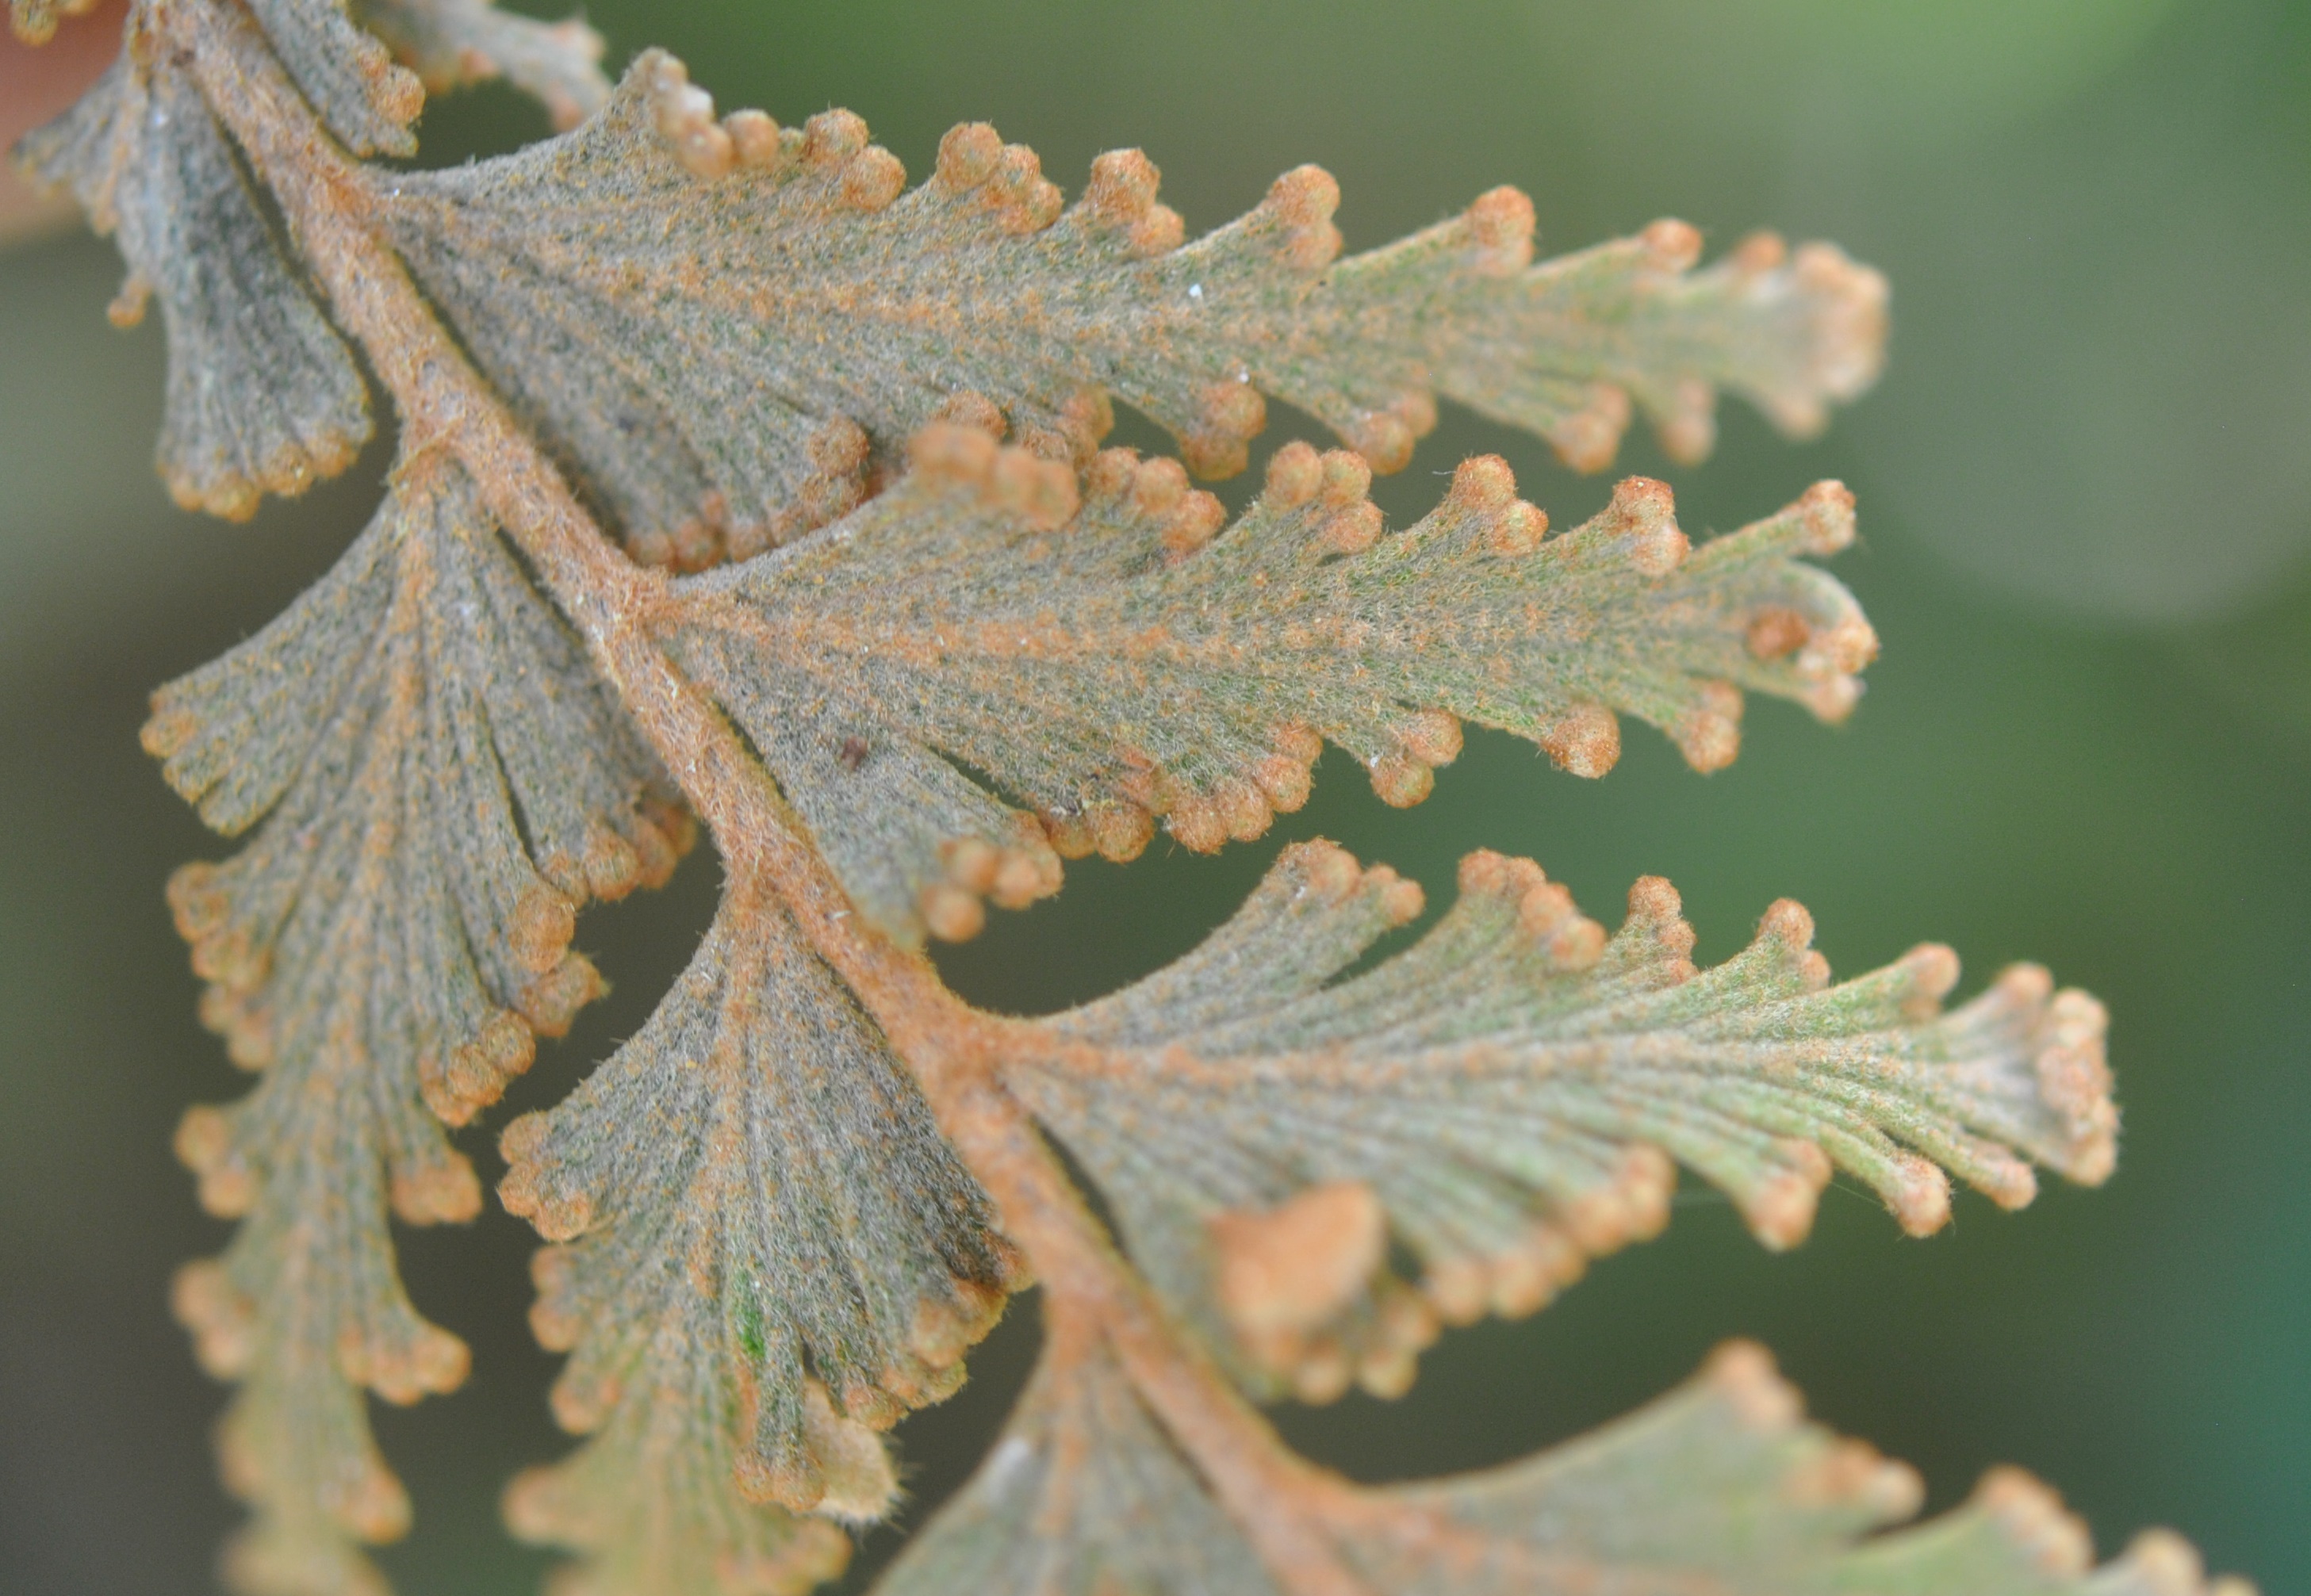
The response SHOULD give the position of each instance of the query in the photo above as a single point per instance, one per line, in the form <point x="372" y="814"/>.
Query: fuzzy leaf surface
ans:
<point x="766" y="1252"/>
<point x="728" y="329"/>
<point x="1502" y="1099"/>
<point x="263" y="395"/>
<point x="451" y="43"/>
<point x="1718" y="1487"/>
<point x="440" y="782"/>
<point x="346" y="72"/>
<point x="1108" y="664"/>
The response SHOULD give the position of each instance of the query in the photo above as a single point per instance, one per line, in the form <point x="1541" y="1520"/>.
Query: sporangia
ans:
<point x="747" y="491"/>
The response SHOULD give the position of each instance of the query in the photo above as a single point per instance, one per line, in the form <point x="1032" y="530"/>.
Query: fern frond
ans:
<point x="648" y="1503"/>
<point x="1719" y="1486"/>
<point x="1502" y="1101"/>
<point x="263" y="395"/>
<point x="772" y="1215"/>
<point x="441" y="783"/>
<point x="1083" y="1485"/>
<point x="305" y="1308"/>
<point x="422" y="699"/>
<point x="768" y="1252"/>
<point x="1118" y="661"/>
<point x="346" y="72"/>
<point x="451" y="43"/>
<point x="727" y="328"/>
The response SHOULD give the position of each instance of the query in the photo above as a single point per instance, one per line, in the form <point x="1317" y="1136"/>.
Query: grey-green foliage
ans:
<point x="367" y="64"/>
<point x="758" y="1223"/>
<point x="728" y="329"/>
<point x="765" y="1250"/>
<point x="423" y="703"/>
<point x="1122" y="662"/>
<point x="452" y="42"/>
<point x="1084" y="1487"/>
<point x="346" y="72"/>
<point x="1490" y="1083"/>
<point x="440" y="780"/>
<point x="263" y="394"/>
<point x="648" y="1500"/>
<point x="1718" y="1486"/>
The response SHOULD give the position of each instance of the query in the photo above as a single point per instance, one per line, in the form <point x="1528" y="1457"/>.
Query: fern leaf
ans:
<point x="450" y="43"/>
<point x="441" y="782"/>
<point x="1502" y="1100"/>
<point x="263" y="395"/>
<point x="35" y="21"/>
<point x="766" y="1253"/>
<point x="346" y="72"/>
<point x="1718" y="1486"/>
<point x="729" y="328"/>
<point x="425" y="699"/>
<point x="648" y="1503"/>
<point x="305" y="1307"/>
<point x="1121" y="661"/>
<point x="1084" y="1486"/>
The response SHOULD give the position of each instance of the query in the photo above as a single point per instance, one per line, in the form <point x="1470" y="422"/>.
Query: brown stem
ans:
<point x="328" y="201"/>
<point x="1272" y="1494"/>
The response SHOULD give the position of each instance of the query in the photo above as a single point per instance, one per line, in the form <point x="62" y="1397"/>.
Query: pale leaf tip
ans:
<point x="1587" y="437"/>
<point x="1501" y="225"/>
<point x="1742" y="1374"/>
<point x="1787" y="922"/>
<point x="446" y="1192"/>
<point x="1931" y="970"/>
<point x="1674" y="246"/>
<point x="1632" y="1204"/>
<point x="2050" y="1536"/>
<point x="1779" y="1210"/>
<point x="1917" y="1191"/>
<point x="1709" y="733"/>
<point x="2074" y="1080"/>
<point x="1850" y="1471"/>
<point x="1826" y="511"/>
<point x="219" y="1317"/>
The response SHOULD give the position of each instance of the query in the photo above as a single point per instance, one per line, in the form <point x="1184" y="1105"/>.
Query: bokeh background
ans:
<point x="2085" y="490"/>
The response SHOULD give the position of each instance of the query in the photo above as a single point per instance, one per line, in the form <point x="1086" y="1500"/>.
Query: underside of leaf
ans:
<point x="729" y="328"/>
<point x="768" y="1253"/>
<point x="1717" y="1489"/>
<point x="649" y="1502"/>
<point x="263" y="395"/>
<point x="441" y="783"/>
<point x="1128" y="659"/>
<point x="1503" y="1100"/>
<point x="451" y="43"/>
<point x="425" y="703"/>
<point x="346" y="72"/>
<point x="763" y="1249"/>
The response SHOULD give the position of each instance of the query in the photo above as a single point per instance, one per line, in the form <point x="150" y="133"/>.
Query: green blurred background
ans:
<point x="2085" y="492"/>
